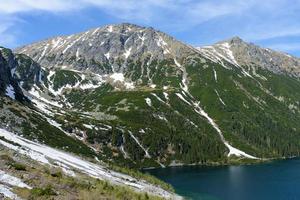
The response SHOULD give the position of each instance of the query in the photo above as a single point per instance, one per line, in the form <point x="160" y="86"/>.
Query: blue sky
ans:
<point x="269" y="23"/>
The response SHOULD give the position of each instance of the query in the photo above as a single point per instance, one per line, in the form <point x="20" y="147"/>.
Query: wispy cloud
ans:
<point x="16" y="6"/>
<point x="286" y="47"/>
<point x="7" y="36"/>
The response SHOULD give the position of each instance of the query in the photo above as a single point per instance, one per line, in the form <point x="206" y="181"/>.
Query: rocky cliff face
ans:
<point x="250" y="55"/>
<point x="9" y="86"/>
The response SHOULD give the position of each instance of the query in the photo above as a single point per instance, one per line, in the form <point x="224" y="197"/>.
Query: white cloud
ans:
<point x="7" y="36"/>
<point x="16" y="6"/>
<point x="269" y="32"/>
<point x="285" y="46"/>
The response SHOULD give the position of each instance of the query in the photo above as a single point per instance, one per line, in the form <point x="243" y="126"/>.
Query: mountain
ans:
<point x="108" y="49"/>
<point x="136" y="97"/>
<point x="35" y="168"/>
<point x="238" y="52"/>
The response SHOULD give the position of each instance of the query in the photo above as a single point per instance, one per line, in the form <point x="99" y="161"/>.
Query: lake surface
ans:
<point x="278" y="180"/>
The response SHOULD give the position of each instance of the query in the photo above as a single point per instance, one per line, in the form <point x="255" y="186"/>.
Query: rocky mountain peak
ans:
<point x="236" y="40"/>
<point x="239" y="52"/>
<point x="105" y="49"/>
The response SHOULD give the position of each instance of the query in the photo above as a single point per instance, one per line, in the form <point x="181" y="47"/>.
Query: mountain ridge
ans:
<point x="145" y="99"/>
<point x="252" y="55"/>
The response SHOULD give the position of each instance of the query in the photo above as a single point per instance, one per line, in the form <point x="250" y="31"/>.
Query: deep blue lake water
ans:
<point x="278" y="180"/>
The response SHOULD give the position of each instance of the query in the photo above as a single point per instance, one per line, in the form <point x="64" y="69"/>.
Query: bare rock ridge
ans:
<point x="106" y="49"/>
<point x="250" y="55"/>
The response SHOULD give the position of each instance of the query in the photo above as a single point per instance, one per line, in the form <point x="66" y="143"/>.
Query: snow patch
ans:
<point x="88" y="126"/>
<point x="163" y="118"/>
<point x="221" y="100"/>
<point x="215" y="75"/>
<point x="153" y="86"/>
<point x="138" y="143"/>
<point x="148" y="101"/>
<point x="183" y="84"/>
<point x="158" y="98"/>
<point x="232" y="150"/>
<point x="90" y="86"/>
<point x="166" y="95"/>
<point x="127" y="52"/>
<point x="226" y="48"/>
<point x="12" y="71"/>
<point x="6" y="191"/>
<point x="35" y="93"/>
<point x="183" y="99"/>
<point x="68" y="162"/>
<point x="10" y="91"/>
<point x="77" y="53"/>
<point x="107" y="55"/>
<point x="200" y="111"/>
<point x="44" y="52"/>
<point x="120" y="77"/>
<point x="124" y="152"/>
<point x="110" y="29"/>
<point x="11" y="180"/>
<point x="165" y="87"/>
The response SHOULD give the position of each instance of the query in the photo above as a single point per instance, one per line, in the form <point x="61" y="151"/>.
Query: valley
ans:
<point x="125" y="98"/>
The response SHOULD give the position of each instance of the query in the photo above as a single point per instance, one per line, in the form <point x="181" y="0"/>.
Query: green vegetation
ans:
<point x="37" y="192"/>
<point x="18" y="166"/>
<point x="50" y="183"/>
<point x="254" y="118"/>
<point x="258" y="114"/>
<point x="64" y="77"/>
<point x="143" y="176"/>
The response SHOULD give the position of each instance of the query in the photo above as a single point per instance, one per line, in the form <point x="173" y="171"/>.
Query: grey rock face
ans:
<point x="247" y="54"/>
<point x="8" y="64"/>
<point x="105" y="50"/>
<point x="28" y="72"/>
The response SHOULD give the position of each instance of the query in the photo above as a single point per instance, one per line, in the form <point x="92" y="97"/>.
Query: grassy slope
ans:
<point x="51" y="183"/>
<point x="268" y="128"/>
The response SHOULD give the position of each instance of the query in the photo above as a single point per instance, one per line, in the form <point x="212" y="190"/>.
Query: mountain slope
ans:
<point x="140" y="98"/>
<point x="58" y="162"/>
<point x="238" y="52"/>
<point x="105" y="50"/>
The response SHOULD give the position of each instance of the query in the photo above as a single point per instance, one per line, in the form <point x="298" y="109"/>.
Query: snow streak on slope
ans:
<point x="137" y="141"/>
<point x="215" y="75"/>
<point x="232" y="150"/>
<point x="184" y="82"/>
<point x="222" y="52"/>
<point x="200" y="111"/>
<point x="68" y="162"/>
<point x="119" y="77"/>
<point x="10" y="92"/>
<point x="7" y="192"/>
<point x="229" y="55"/>
<point x="7" y="181"/>
<point x="221" y="100"/>
<point x="148" y="101"/>
<point x="11" y="180"/>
